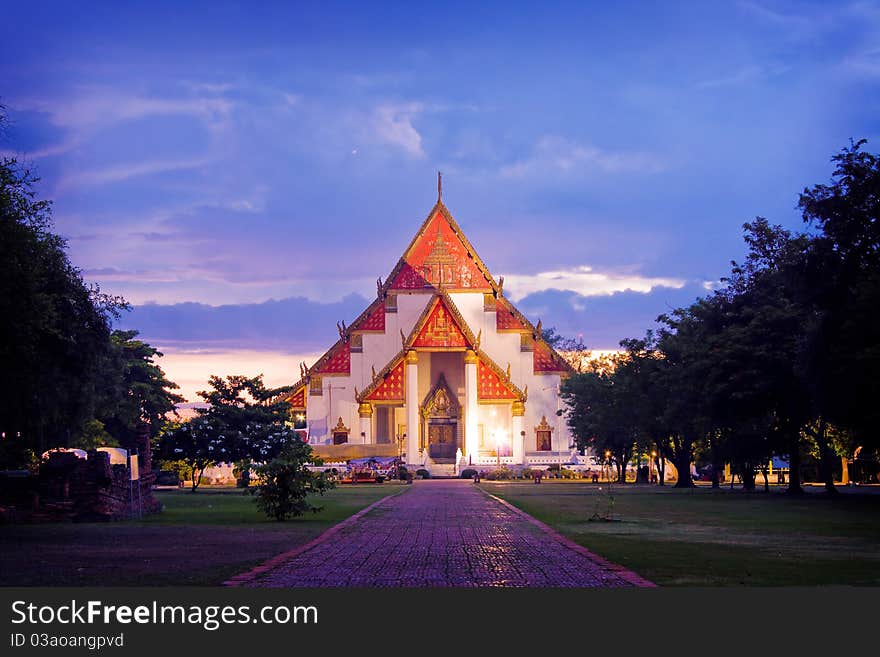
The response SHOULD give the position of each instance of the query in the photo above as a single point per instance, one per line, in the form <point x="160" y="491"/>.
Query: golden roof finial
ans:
<point x="439" y="186"/>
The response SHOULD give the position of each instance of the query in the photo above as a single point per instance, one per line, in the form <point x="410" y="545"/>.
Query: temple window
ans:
<point x="543" y="436"/>
<point x="340" y="433"/>
<point x="489" y="302"/>
<point x="316" y="386"/>
<point x="356" y="344"/>
<point x="526" y="343"/>
<point x="384" y="424"/>
<point x="391" y="303"/>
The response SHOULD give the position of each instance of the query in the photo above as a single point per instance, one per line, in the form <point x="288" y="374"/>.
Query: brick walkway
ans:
<point x="441" y="533"/>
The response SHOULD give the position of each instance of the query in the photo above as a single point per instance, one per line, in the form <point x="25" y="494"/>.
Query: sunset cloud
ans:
<point x="585" y="282"/>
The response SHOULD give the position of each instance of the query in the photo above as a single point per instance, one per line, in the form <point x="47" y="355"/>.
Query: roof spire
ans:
<point x="439" y="186"/>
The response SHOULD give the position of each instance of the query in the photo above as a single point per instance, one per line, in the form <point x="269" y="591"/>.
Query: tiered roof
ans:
<point x="439" y="259"/>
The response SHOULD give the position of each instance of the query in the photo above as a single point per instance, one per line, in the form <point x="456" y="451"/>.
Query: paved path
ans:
<point x="440" y="533"/>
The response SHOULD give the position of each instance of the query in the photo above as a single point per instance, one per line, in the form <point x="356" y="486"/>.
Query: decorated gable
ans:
<point x="372" y="320"/>
<point x="492" y="385"/>
<point x="440" y="328"/>
<point x="297" y="398"/>
<point x="546" y="360"/>
<point x="507" y="318"/>
<point x="335" y="361"/>
<point x="439" y="257"/>
<point x="388" y="386"/>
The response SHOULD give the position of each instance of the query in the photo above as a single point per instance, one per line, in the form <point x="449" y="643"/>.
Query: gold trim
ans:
<point x="518" y="409"/>
<point x="365" y="409"/>
<point x="544" y="426"/>
<point x="412" y="357"/>
<point x="470" y="357"/>
<point x="339" y="428"/>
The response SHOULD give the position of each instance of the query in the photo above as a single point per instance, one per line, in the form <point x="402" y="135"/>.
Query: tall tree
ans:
<point x="844" y="283"/>
<point x="603" y="412"/>
<point x="136" y="389"/>
<point x="55" y="332"/>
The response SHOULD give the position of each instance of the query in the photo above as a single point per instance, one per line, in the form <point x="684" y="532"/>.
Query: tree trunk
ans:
<point x="716" y="480"/>
<point x="766" y="480"/>
<point x="826" y="458"/>
<point x="196" y="479"/>
<point x="661" y="469"/>
<point x="748" y="476"/>
<point x="794" y="467"/>
<point x="683" y="464"/>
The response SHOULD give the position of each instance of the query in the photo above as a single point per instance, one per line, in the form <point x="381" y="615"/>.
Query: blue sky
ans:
<point x="243" y="172"/>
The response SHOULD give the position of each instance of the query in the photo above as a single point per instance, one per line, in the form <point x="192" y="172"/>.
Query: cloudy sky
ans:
<point x="243" y="172"/>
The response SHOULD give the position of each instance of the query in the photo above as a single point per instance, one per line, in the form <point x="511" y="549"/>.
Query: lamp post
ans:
<point x="653" y="457"/>
<point x="608" y="465"/>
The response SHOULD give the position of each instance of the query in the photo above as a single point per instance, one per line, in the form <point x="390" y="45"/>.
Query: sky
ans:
<point x="242" y="173"/>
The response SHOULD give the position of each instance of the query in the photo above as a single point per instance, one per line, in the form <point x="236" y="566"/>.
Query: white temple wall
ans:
<point x="495" y="417"/>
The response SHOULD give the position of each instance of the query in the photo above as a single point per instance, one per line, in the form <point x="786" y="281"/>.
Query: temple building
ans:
<point x="440" y="369"/>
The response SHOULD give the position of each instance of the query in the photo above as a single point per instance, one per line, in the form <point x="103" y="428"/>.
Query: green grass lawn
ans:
<point x="200" y="538"/>
<point x="715" y="538"/>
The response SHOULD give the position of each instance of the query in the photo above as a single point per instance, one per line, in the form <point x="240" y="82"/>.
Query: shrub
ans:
<point x="526" y="473"/>
<point x="286" y="481"/>
<point x="500" y="474"/>
<point x="421" y="473"/>
<point x="565" y="473"/>
<point x="468" y="473"/>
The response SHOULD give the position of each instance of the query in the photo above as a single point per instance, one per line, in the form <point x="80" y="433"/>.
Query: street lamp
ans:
<point x="653" y="457"/>
<point x="608" y="465"/>
<point x="499" y="437"/>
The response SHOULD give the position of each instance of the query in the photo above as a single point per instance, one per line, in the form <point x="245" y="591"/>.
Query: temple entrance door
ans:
<point x="441" y="412"/>
<point x="441" y="442"/>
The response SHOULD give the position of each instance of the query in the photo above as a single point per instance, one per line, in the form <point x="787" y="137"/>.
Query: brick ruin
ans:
<point x="84" y="490"/>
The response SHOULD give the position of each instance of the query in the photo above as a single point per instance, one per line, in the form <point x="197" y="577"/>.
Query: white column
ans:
<point x="365" y="411"/>
<point x="471" y="437"/>
<point x="412" y="407"/>
<point x="517" y="411"/>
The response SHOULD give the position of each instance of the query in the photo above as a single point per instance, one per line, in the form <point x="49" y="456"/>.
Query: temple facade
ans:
<point x="440" y="369"/>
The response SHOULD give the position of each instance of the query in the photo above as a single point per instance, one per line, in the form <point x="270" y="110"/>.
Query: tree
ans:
<point x="249" y="414"/>
<point x="770" y="340"/>
<point x="603" y="414"/>
<point x="287" y="482"/>
<point x="135" y="389"/>
<point x="573" y="350"/>
<point x="198" y="444"/>
<point x="244" y="421"/>
<point x="55" y="332"/>
<point x="92" y="435"/>
<point x="844" y="282"/>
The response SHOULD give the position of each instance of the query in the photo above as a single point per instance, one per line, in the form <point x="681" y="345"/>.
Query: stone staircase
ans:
<point x="442" y="470"/>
